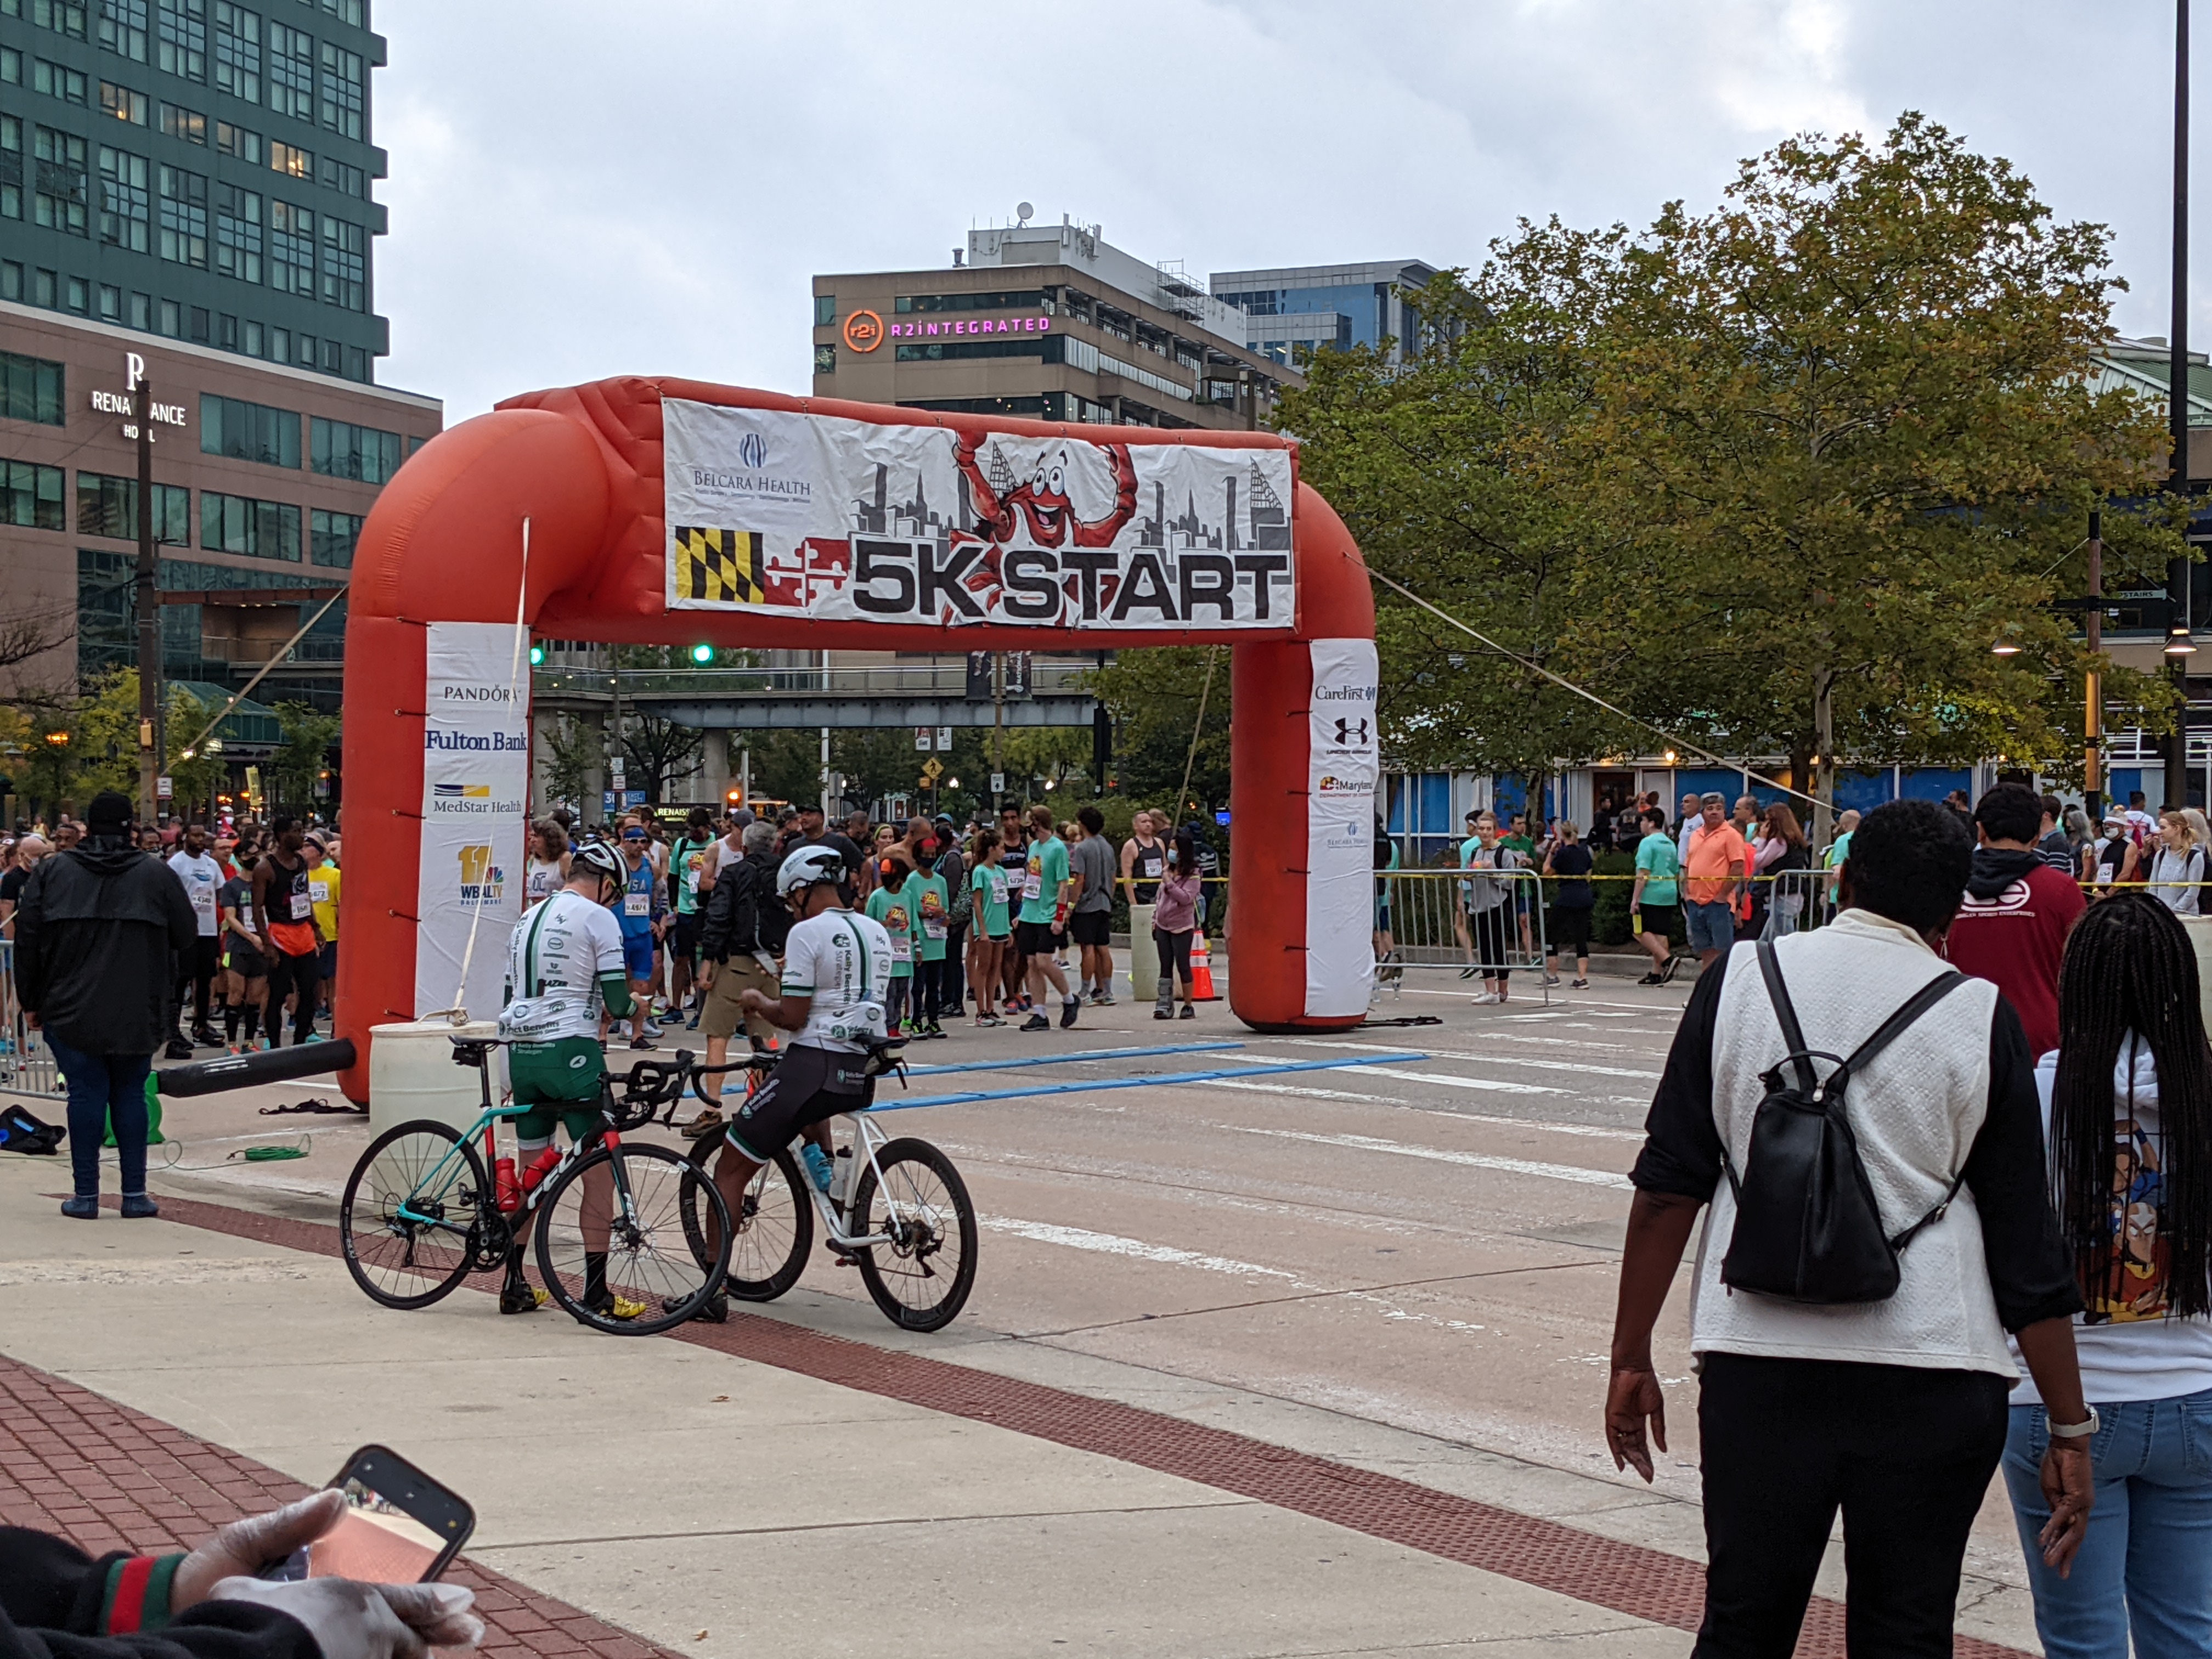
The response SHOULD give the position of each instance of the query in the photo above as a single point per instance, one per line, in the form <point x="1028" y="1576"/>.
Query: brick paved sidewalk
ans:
<point x="1643" y="1583"/>
<point x="106" y="1477"/>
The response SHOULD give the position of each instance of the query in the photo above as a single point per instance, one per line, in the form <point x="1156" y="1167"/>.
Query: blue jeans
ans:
<point x="1712" y="925"/>
<point x="104" y="1088"/>
<point x="2147" y="1564"/>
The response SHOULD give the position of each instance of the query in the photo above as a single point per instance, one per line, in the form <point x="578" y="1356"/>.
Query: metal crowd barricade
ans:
<point x="1796" y="900"/>
<point x="1432" y="922"/>
<point x="27" y="1065"/>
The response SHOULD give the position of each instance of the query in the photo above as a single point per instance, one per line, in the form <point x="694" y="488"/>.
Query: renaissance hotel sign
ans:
<point x="787" y="514"/>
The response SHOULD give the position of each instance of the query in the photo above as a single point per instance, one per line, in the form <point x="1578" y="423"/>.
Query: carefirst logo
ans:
<point x="496" y="743"/>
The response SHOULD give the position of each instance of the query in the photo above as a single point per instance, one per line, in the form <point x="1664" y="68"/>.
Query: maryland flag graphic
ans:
<point x="724" y="567"/>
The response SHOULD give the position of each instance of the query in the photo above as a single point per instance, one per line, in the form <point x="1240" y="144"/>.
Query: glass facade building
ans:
<point x="1291" y="312"/>
<point x="196" y="170"/>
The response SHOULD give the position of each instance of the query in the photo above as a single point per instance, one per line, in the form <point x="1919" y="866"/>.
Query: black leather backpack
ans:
<point x="1807" y="1226"/>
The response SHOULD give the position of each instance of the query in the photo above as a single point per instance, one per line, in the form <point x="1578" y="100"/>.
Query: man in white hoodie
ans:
<point x="1893" y="1410"/>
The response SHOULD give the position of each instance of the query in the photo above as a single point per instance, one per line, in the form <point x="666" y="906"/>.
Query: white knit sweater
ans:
<point x="1915" y="1110"/>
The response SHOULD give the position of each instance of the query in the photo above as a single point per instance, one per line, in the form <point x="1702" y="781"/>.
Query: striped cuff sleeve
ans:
<point x="137" y="1594"/>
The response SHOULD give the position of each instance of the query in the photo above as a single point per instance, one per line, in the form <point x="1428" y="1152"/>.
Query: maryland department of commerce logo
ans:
<point x="726" y="567"/>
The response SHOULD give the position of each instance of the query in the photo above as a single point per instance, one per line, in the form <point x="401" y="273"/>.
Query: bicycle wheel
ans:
<point x="408" y="1263"/>
<point x="775" y="1226"/>
<point x="922" y="1279"/>
<point x="612" y="1243"/>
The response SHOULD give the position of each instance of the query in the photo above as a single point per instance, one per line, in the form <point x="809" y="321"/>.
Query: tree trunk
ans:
<point x="1824" y="755"/>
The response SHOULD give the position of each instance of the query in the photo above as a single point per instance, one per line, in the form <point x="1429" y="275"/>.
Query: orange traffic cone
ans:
<point x="1202" y="975"/>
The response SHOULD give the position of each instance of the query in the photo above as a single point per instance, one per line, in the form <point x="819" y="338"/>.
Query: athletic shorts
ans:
<point x="1035" y="938"/>
<point x="637" y="955"/>
<point x="687" y="935"/>
<point x="246" y="962"/>
<point x="1660" y="919"/>
<point x="330" y="958"/>
<point x="807" y="1086"/>
<point x="559" y="1081"/>
<point x="1092" y="926"/>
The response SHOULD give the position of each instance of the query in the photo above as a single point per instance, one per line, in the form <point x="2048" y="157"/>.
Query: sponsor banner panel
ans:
<point x="476" y="753"/>
<point x="1342" y="770"/>
<point x="784" y="513"/>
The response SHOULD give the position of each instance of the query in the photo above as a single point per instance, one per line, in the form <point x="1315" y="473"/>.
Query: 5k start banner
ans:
<point x="825" y="517"/>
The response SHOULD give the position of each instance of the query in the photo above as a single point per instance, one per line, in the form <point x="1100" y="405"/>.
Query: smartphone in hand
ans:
<point x="400" y="1526"/>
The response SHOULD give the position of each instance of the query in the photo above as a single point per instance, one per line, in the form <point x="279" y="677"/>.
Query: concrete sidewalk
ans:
<point x="720" y="1506"/>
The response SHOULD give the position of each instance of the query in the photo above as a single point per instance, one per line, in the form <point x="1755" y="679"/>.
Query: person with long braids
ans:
<point x="2127" y="1100"/>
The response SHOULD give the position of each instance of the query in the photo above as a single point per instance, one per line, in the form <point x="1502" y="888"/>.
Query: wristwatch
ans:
<point x="2079" y="1430"/>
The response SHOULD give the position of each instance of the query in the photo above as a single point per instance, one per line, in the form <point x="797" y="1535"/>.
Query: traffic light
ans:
<point x="736" y="796"/>
<point x="703" y="654"/>
<point x="537" y="655"/>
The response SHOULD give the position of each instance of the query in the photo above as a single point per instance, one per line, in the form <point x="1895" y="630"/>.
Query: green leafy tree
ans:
<point x="305" y="735"/>
<point x="1153" y="697"/>
<point x="572" y="754"/>
<point x="1845" y="420"/>
<point x="195" y="781"/>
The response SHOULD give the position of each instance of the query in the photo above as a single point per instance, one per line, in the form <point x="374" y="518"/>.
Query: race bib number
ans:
<point x="203" y="898"/>
<point x="637" y="904"/>
<point x="901" y="948"/>
<point x="302" y="909"/>
<point x="319" y="891"/>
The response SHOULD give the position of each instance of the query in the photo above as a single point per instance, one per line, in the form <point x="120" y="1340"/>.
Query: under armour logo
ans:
<point x="1351" y="733"/>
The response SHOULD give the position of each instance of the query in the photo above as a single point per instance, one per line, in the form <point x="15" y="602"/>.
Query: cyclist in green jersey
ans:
<point x="564" y="966"/>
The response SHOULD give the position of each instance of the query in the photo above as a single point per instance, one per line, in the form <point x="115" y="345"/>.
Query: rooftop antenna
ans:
<point x="1022" y="212"/>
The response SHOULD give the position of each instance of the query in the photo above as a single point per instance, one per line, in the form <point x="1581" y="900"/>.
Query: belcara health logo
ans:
<point x="752" y="450"/>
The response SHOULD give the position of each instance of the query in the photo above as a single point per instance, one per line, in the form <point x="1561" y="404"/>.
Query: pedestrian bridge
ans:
<point x="887" y="695"/>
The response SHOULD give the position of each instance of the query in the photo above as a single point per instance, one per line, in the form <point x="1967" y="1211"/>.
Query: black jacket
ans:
<point x="743" y="912"/>
<point x="96" y="934"/>
<point x="51" y="1594"/>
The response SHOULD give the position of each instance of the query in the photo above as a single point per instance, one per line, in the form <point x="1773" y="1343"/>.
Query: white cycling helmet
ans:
<point x="601" y="859"/>
<point x="808" y="866"/>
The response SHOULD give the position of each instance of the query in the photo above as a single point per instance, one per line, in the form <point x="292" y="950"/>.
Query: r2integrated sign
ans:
<point x="831" y="518"/>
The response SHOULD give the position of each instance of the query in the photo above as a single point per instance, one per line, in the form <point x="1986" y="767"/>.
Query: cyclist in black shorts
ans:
<point x="836" y="964"/>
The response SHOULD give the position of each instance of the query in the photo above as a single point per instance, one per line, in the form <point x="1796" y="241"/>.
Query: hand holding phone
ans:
<point x="397" y="1526"/>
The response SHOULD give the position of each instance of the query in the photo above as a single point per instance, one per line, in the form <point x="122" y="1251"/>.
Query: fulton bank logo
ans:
<point x="752" y="450"/>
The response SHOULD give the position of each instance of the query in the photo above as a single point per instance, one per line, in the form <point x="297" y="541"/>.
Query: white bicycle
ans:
<point x="897" y="1210"/>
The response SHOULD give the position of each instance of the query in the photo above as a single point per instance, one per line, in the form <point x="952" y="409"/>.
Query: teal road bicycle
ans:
<point x="630" y="1238"/>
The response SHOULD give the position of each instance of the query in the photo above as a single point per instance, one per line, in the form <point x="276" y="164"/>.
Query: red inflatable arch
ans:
<point x="584" y="466"/>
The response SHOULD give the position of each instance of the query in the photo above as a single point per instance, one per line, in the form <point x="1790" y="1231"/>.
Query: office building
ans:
<point x="1291" y="313"/>
<point x="197" y="171"/>
<point x="1049" y="322"/>
<point x="262" y="476"/>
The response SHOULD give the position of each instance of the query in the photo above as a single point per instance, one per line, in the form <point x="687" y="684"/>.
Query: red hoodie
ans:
<point x="2015" y="936"/>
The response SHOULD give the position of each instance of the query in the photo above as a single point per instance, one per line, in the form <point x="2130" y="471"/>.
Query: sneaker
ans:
<point x="1162" y="1013"/>
<point x="81" y="1209"/>
<point x="616" y="1307"/>
<point x="522" y="1299"/>
<point x="206" y="1039"/>
<point x="1652" y="978"/>
<point x="643" y="1043"/>
<point x="1013" y="1005"/>
<point x="1029" y="1003"/>
<point x="933" y="1030"/>
<point x="983" y="1020"/>
<point x="137" y="1207"/>
<point x="1551" y="979"/>
<point x="1579" y="984"/>
<point x="692" y="1024"/>
<point x="1068" y="1010"/>
<point x="1189" y="1013"/>
<point x="1036" y="1023"/>
<point x="232" y="1048"/>
<point x="180" y="1047"/>
<point x="1104" y="999"/>
<point x="712" y="1310"/>
<point x="1487" y="999"/>
<point x="709" y="1120"/>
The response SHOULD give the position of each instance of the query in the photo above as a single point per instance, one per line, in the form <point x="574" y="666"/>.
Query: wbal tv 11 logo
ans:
<point x="482" y="881"/>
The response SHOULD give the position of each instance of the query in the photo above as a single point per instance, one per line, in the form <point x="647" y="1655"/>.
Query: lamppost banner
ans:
<point x="777" y="511"/>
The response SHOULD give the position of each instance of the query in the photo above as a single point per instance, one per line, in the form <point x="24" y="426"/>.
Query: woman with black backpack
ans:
<point x="2127" y="1098"/>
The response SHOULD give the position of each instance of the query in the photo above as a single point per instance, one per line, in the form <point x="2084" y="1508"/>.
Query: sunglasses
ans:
<point x="633" y="834"/>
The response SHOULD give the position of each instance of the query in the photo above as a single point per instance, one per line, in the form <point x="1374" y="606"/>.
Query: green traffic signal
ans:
<point x="703" y="654"/>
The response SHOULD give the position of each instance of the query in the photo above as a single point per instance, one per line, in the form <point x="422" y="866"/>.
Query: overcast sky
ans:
<point x="580" y="189"/>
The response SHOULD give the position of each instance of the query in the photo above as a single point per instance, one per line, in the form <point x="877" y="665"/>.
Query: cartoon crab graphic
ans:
<point x="1041" y="506"/>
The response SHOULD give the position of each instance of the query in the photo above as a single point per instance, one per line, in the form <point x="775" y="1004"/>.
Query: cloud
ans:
<point x="579" y="191"/>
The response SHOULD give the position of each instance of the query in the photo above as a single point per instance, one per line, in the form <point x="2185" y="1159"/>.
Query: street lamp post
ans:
<point x="149" y="594"/>
<point x="2177" y="570"/>
<point x="2093" y="709"/>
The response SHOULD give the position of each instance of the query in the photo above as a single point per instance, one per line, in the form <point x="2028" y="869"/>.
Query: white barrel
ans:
<point x="411" y="1074"/>
<point x="1144" y="955"/>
